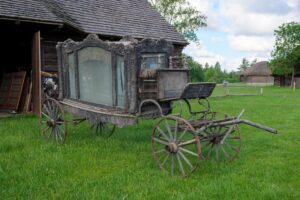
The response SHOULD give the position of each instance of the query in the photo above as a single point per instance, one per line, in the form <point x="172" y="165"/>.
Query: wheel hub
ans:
<point x="51" y="122"/>
<point x="172" y="147"/>
<point x="216" y="139"/>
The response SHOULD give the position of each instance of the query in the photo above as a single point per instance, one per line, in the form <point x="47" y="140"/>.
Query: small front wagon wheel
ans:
<point x="175" y="146"/>
<point x="52" y="122"/>
<point x="221" y="142"/>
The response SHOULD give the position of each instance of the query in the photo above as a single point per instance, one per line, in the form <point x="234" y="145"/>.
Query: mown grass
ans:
<point x="122" y="167"/>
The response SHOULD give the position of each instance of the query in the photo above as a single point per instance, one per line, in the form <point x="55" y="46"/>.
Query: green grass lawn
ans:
<point x="122" y="167"/>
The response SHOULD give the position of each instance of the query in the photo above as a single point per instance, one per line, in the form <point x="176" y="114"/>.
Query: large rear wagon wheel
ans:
<point x="53" y="125"/>
<point x="175" y="146"/>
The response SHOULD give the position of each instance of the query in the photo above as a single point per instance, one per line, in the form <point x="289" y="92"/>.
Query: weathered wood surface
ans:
<point x="11" y="90"/>
<point x="96" y="114"/>
<point x="36" y="73"/>
<point x="198" y="90"/>
<point x="171" y="83"/>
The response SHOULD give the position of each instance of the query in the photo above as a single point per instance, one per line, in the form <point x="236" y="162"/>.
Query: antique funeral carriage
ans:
<point x="114" y="83"/>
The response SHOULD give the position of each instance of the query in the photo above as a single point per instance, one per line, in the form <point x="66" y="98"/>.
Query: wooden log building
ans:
<point x="259" y="73"/>
<point x="30" y="30"/>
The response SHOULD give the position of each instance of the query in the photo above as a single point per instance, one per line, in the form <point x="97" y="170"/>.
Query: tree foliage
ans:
<point x="253" y="62"/>
<point x="182" y="16"/>
<point x="208" y="73"/>
<point x="196" y="70"/>
<point x="286" y="54"/>
<point x="245" y="64"/>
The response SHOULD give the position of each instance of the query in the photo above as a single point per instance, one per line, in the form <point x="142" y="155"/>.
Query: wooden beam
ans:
<point x="36" y="73"/>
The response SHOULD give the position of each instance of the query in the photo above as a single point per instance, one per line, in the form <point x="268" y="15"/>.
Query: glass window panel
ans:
<point x="120" y="82"/>
<point x="153" y="61"/>
<point x="72" y="75"/>
<point x="95" y="75"/>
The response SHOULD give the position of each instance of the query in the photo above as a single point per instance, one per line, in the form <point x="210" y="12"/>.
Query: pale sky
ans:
<point x="240" y="28"/>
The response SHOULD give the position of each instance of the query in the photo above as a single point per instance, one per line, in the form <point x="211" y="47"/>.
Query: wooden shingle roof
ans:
<point x="105" y="17"/>
<point x="258" y="69"/>
<point x="27" y="10"/>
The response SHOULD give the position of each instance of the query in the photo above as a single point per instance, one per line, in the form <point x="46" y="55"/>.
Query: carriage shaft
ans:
<point x="243" y="121"/>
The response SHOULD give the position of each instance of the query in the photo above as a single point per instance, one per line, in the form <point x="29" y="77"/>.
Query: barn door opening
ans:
<point x="36" y="72"/>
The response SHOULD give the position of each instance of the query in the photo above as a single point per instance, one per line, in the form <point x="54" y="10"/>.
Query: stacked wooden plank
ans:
<point x="15" y="92"/>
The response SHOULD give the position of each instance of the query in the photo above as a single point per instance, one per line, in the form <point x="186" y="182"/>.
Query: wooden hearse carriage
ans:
<point x="114" y="83"/>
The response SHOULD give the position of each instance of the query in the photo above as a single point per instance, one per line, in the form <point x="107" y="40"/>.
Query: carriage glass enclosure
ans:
<point x="117" y="76"/>
<point x="94" y="74"/>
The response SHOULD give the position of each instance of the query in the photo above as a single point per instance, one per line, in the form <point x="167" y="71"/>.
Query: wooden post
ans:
<point x="261" y="91"/>
<point x="294" y="86"/>
<point x="36" y="73"/>
<point x="225" y="84"/>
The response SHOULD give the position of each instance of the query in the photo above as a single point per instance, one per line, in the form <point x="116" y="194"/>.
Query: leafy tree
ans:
<point x="206" y="66"/>
<point x="232" y="77"/>
<point x="286" y="54"/>
<point x="209" y="73"/>
<point x="182" y="16"/>
<point x="253" y="62"/>
<point x="196" y="70"/>
<point x="245" y="64"/>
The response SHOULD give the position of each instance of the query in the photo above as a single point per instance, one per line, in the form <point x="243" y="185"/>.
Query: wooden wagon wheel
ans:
<point x="52" y="121"/>
<point x="175" y="146"/>
<point x="104" y="129"/>
<point x="221" y="142"/>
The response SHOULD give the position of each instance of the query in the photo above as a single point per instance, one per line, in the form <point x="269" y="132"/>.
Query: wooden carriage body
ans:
<point x="107" y="81"/>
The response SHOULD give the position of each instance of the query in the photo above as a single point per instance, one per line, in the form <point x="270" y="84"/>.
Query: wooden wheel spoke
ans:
<point x="60" y="135"/>
<point x="188" y="151"/>
<point x="182" y="144"/>
<point x="60" y="128"/>
<point x="163" y="133"/>
<point x="183" y="133"/>
<point x="45" y="115"/>
<point x="180" y="165"/>
<point x="172" y="165"/>
<point x="160" y="151"/>
<point x="60" y="122"/>
<point x="56" y="134"/>
<point x="46" y="108"/>
<point x="160" y="141"/>
<point x="169" y="130"/>
<point x="206" y="145"/>
<point x="185" y="159"/>
<point x="207" y="132"/>
<point x="49" y="108"/>
<point x="217" y="152"/>
<point x="210" y="150"/>
<point x="165" y="160"/>
<point x="225" y="130"/>
<point x="50" y="134"/>
<point x="176" y="129"/>
<point x="225" y="153"/>
<point x="58" y="115"/>
<point x="231" y="147"/>
<point x="45" y="130"/>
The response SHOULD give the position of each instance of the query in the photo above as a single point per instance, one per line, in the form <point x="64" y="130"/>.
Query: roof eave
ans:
<point x="30" y="20"/>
